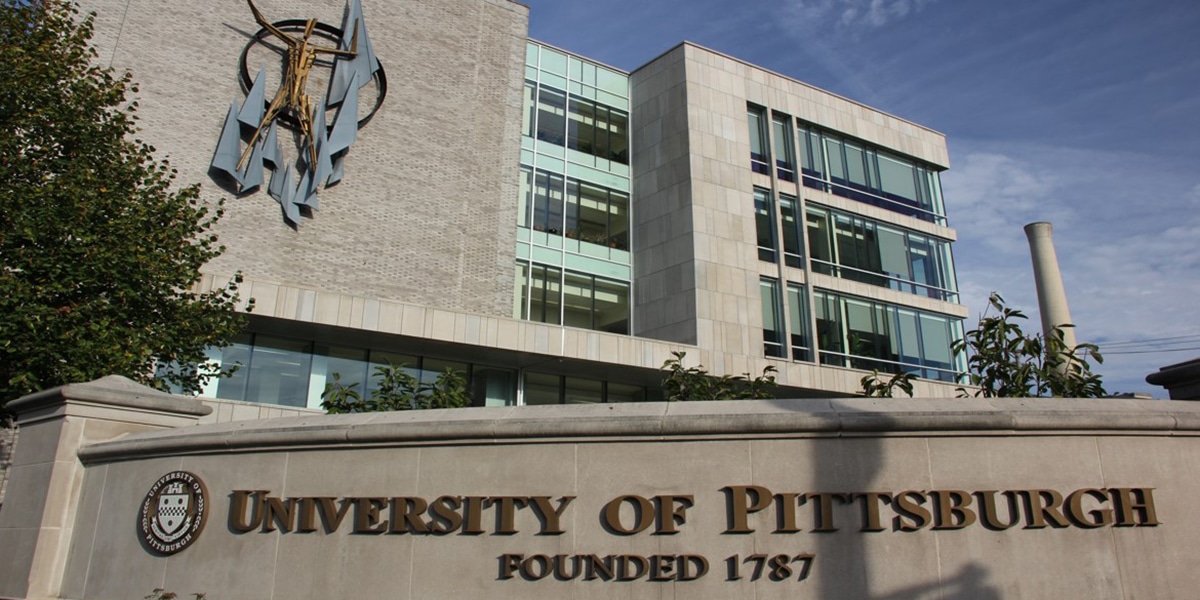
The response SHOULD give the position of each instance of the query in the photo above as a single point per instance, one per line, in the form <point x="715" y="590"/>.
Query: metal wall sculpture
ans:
<point x="322" y="148"/>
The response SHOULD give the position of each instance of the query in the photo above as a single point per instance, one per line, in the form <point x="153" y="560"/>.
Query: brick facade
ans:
<point x="430" y="190"/>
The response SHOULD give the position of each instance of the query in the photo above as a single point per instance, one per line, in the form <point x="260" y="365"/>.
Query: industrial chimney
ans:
<point x="1052" y="298"/>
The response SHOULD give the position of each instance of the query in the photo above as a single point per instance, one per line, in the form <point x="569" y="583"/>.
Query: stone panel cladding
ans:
<point x="664" y="255"/>
<point x="426" y="212"/>
<point x="697" y="268"/>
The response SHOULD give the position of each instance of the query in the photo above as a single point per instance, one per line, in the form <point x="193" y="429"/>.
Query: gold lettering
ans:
<point x="643" y="513"/>
<point x="330" y="517"/>
<point x="559" y="561"/>
<point x="740" y="505"/>
<point x="870" y="505"/>
<point x="908" y="506"/>
<point x="1036" y="517"/>
<point x="409" y="517"/>
<point x="508" y="564"/>
<point x="473" y="511"/>
<point x="366" y="515"/>
<point x="543" y="570"/>
<point x="786" y="512"/>
<point x="987" y="511"/>
<point x="596" y="564"/>
<point x="824" y="510"/>
<point x="278" y="511"/>
<point x="662" y="567"/>
<point x="1127" y="505"/>
<point x="1091" y="519"/>
<point x="506" y="508"/>
<point x="952" y="507"/>
<point x="677" y="507"/>
<point x="640" y="563"/>
<point x="239" y="520"/>
<point x="550" y="516"/>
<point x="444" y="517"/>
<point x="700" y="563"/>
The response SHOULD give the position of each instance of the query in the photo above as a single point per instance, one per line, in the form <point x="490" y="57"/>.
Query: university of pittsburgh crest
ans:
<point x="173" y="512"/>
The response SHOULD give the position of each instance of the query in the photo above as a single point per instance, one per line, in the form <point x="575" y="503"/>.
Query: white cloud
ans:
<point x="1126" y="232"/>
<point x="868" y="14"/>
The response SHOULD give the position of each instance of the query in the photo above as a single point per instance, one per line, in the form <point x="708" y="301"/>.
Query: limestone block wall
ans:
<point x="426" y="212"/>
<point x="870" y="499"/>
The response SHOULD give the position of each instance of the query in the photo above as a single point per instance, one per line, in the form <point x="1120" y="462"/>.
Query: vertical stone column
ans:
<point x="1052" y="297"/>
<point x="46" y="477"/>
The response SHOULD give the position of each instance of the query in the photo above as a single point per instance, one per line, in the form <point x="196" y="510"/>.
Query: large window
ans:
<point x="785" y="156"/>
<point x="860" y="333"/>
<point x="551" y="115"/>
<point x="294" y="372"/>
<point x="858" y="171"/>
<point x="789" y="211"/>
<point x="547" y="388"/>
<point x="760" y="155"/>
<point x="551" y="295"/>
<point x="764" y="223"/>
<point x="801" y="340"/>
<point x="854" y="248"/>
<point x="598" y="130"/>
<point x="574" y="209"/>
<point x="772" y="316"/>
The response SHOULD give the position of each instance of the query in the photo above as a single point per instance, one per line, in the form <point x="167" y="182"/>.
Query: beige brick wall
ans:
<point x="8" y="441"/>
<point x="426" y="212"/>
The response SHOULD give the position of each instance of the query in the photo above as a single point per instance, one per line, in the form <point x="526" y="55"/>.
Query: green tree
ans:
<point x="875" y="386"/>
<point x="1004" y="361"/>
<point x="99" y="250"/>
<point x="396" y="389"/>
<point x="695" y="383"/>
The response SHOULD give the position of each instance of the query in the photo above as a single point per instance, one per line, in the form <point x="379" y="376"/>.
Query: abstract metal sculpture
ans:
<point x="322" y="148"/>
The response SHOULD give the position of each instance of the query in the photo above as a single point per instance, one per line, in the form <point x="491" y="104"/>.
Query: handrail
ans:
<point x="947" y="294"/>
<point x="934" y="217"/>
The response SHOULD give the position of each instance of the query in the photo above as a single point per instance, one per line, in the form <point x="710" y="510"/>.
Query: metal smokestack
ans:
<point x="1052" y="298"/>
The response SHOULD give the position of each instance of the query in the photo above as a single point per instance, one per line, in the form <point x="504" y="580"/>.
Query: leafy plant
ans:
<point x="695" y="383"/>
<point x="874" y="386"/>
<point x="1004" y="361"/>
<point x="162" y="594"/>
<point x="397" y="389"/>
<point x="99" y="248"/>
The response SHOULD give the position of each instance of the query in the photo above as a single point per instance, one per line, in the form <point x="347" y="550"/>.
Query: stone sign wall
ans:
<point x="880" y="499"/>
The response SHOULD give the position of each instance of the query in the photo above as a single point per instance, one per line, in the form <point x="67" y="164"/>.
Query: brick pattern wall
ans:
<point x="426" y="212"/>
<point x="8" y="444"/>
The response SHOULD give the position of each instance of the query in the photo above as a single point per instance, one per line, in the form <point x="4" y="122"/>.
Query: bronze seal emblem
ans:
<point x="173" y="512"/>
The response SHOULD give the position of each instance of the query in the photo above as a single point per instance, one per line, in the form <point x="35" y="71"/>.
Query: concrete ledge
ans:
<point x="661" y="420"/>
<point x="111" y="391"/>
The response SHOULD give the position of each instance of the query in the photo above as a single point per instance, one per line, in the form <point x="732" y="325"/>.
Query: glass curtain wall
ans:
<point x="863" y="334"/>
<point x="861" y="172"/>
<point x="294" y="372"/>
<point x="573" y="240"/>
<point x="851" y="247"/>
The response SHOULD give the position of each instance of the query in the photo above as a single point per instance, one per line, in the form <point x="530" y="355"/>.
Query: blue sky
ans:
<point x="1085" y="114"/>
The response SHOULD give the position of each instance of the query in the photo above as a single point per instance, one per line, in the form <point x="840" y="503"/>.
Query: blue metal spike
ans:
<point x="229" y="146"/>
<point x="345" y="124"/>
<point x="252" y="109"/>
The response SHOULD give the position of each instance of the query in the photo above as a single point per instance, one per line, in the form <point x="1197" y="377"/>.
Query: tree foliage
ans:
<point x="397" y="389"/>
<point x="694" y="383"/>
<point x="1004" y="361"/>
<point x="875" y="386"/>
<point x="98" y="250"/>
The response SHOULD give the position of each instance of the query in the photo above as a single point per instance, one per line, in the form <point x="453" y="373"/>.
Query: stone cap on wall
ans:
<point x="113" y="391"/>
<point x="653" y="421"/>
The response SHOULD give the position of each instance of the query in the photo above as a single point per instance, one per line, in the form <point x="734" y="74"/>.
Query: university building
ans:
<point x="550" y="226"/>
